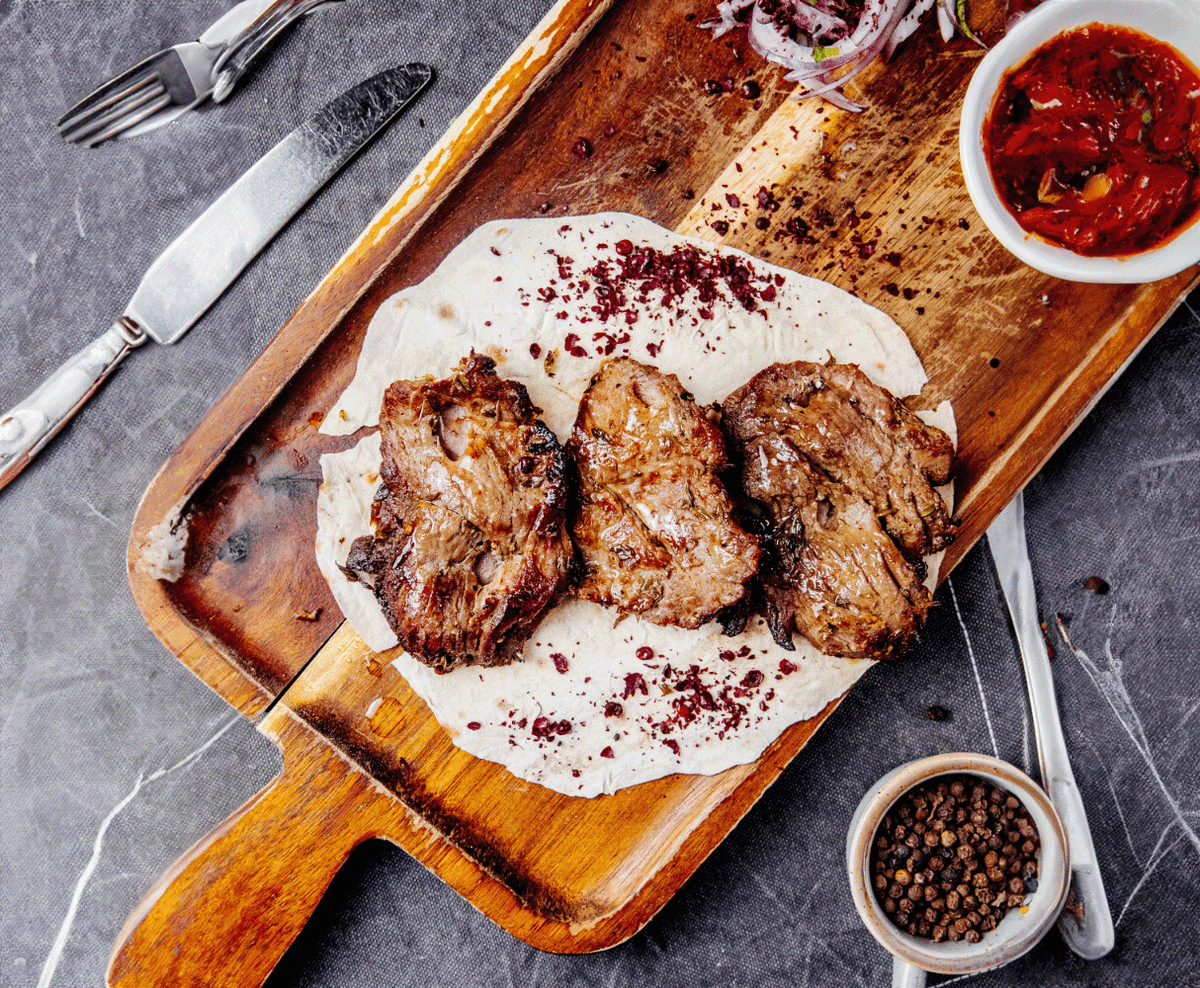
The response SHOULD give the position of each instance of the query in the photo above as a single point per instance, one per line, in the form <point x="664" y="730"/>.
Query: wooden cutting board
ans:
<point x="872" y="202"/>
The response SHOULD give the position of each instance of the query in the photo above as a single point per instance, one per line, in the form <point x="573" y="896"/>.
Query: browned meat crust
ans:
<point x="471" y="546"/>
<point x="653" y="524"/>
<point x="845" y="476"/>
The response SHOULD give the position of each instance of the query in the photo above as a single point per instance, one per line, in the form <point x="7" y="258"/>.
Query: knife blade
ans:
<point x="1087" y="928"/>
<point x="204" y="260"/>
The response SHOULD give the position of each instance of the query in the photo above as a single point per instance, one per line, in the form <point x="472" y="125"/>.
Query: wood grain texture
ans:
<point x="871" y="202"/>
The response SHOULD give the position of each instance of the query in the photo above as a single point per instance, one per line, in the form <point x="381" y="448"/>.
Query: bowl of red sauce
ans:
<point x="1080" y="139"/>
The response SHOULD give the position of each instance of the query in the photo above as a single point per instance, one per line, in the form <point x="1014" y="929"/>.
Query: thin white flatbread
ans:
<point x="596" y="704"/>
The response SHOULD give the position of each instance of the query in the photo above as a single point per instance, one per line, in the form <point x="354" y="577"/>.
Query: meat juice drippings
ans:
<point x="1093" y="141"/>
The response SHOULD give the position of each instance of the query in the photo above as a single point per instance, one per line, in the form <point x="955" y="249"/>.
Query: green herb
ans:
<point x="961" y="11"/>
<point x="1146" y="116"/>
<point x="820" y="54"/>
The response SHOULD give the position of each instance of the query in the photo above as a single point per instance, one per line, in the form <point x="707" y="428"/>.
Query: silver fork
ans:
<point x="160" y="88"/>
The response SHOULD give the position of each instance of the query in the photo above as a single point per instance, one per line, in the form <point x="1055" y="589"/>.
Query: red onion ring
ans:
<point x="820" y="50"/>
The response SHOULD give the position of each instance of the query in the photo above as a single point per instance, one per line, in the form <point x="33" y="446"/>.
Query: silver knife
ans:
<point x="196" y="269"/>
<point x="1087" y="926"/>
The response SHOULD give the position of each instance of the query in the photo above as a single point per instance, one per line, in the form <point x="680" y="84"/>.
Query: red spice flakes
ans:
<point x="653" y="348"/>
<point x="559" y="660"/>
<point x="753" y="679"/>
<point x="535" y="351"/>
<point x="721" y="227"/>
<point x="544" y="727"/>
<point x="582" y="148"/>
<point x="892" y="288"/>
<point x="787" y="666"/>
<point x="799" y="229"/>
<point x="645" y="653"/>
<point x="672" y="744"/>
<point x="623" y="247"/>
<point x="750" y="90"/>
<point x="607" y="753"/>
<point x="728" y="656"/>
<point x="613" y="709"/>
<point x="571" y="344"/>
<point x="609" y="130"/>
<point x="766" y="199"/>
<point x="496" y="251"/>
<point x="474" y="725"/>
<point x="634" y="683"/>
<point x="732" y="199"/>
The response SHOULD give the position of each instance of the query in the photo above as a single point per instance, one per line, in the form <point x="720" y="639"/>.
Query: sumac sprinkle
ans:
<point x="787" y="666"/>
<point x="613" y="709"/>
<point x="582" y="148"/>
<point x="607" y="753"/>
<point x="474" y="725"/>
<point x="535" y="351"/>
<point x="721" y="227"/>
<point x="559" y="660"/>
<point x="752" y="679"/>
<point x="634" y="683"/>
<point x="645" y="653"/>
<point x="732" y="200"/>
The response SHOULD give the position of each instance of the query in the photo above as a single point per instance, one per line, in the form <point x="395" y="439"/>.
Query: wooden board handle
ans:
<point x="227" y="910"/>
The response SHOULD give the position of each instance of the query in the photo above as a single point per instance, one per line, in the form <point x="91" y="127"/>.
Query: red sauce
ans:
<point x="1093" y="141"/>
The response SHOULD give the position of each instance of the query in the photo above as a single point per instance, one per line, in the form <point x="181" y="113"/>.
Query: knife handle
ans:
<point x="26" y="429"/>
<point x="245" y="46"/>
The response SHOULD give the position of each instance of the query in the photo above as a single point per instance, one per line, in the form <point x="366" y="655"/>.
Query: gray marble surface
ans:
<point x="114" y="758"/>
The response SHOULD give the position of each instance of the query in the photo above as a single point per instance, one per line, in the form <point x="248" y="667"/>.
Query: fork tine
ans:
<point x="119" y="126"/>
<point x="114" y="108"/>
<point x="99" y="104"/>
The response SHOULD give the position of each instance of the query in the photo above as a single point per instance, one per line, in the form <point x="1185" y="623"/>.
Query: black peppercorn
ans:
<point x="941" y="872"/>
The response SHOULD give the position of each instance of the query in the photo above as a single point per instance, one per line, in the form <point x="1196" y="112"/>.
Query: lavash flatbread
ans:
<point x="521" y="292"/>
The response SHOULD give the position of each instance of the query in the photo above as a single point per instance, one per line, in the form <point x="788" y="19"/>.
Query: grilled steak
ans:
<point x="860" y="436"/>
<point x="471" y="546"/>
<point x="844" y="475"/>
<point x="653" y="523"/>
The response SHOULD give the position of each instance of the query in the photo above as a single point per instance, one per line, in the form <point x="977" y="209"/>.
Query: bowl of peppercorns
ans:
<point x="957" y="863"/>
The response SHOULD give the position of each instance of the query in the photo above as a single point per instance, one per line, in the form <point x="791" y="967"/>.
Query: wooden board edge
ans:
<point x="1011" y="471"/>
<point x="554" y="38"/>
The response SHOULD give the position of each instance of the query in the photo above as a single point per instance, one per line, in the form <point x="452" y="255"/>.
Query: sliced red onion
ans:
<point x="822" y="69"/>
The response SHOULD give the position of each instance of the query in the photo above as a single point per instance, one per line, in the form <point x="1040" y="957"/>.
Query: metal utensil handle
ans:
<point x="905" y="975"/>
<point x="26" y="429"/>
<point x="246" y="46"/>
<point x="1094" y="936"/>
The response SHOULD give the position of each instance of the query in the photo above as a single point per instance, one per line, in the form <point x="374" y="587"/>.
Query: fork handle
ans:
<point x="26" y="429"/>
<point x="244" y="47"/>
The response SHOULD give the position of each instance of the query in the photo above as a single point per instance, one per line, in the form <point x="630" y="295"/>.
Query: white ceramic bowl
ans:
<point x="1177" y="22"/>
<point x="1021" y="928"/>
